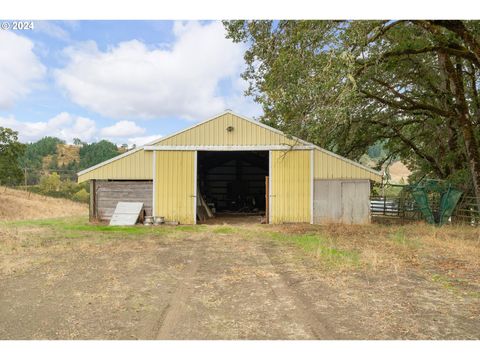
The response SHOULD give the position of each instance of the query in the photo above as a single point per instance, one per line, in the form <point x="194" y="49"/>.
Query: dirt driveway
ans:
<point x="209" y="283"/>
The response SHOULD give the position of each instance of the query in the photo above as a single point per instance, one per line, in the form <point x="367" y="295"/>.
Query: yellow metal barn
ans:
<point x="233" y="165"/>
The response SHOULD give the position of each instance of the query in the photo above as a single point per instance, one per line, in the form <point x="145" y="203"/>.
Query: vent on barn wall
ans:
<point x="229" y="128"/>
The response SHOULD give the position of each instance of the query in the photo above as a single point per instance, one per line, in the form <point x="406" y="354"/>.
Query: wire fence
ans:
<point x="404" y="208"/>
<point x="42" y="182"/>
<point x="33" y="176"/>
<point x="467" y="211"/>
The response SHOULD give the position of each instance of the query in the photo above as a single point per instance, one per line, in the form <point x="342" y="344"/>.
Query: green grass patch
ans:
<point x="338" y="256"/>
<point x="444" y="281"/>
<point x="474" y="294"/>
<point x="189" y="228"/>
<point x="224" y="230"/>
<point x="44" y="222"/>
<point x="399" y="237"/>
<point x="456" y="286"/>
<point x="308" y="242"/>
<point x="82" y="226"/>
<point x="139" y="229"/>
<point x="75" y="227"/>
<point x="321" y="247"/>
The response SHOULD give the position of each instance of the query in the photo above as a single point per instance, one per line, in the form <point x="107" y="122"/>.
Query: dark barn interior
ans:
<point x="233" y="182"/>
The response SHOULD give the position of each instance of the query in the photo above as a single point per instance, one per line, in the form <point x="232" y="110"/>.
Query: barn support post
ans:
<point x="267" y="200"/>
<point x="92" y="213"/>
<point x="269" y="220"/>
<point x="312" y="187"/>
<point x="154" y="189"/>
<point x="195" y="184"/>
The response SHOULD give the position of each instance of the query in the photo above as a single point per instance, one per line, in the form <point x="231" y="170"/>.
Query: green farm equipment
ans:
<point x="435" y="199"/>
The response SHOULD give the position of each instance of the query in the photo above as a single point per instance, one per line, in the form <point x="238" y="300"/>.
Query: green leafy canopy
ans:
<point x="411" y="86"/>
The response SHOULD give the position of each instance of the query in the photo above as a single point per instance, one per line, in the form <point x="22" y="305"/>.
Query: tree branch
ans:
<point x="410" y="143"/>
<point x="458" y="27"/>
<point x="453" y="49"/>
<point x="402" y="106"/>
<point x="384" y="29"/>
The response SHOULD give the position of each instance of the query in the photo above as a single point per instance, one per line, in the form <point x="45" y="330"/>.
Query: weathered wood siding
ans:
<point x="109" y="193"/>
<point x="341" y="201"/>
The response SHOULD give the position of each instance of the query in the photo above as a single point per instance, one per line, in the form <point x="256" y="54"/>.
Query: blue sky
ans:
<point x="126" y="81"/>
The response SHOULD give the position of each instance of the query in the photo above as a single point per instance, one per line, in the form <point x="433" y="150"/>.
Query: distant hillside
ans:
<point x="67" y="154"/>
<point x="22" y="205"/>
<point x="399" y="173"/>
<point x="397" y="170"/>
<point x="51" y="154"/>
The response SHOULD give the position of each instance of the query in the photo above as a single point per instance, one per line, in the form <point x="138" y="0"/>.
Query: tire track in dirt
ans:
<point x="177" y="303"/>
<point x="302" y="313"/>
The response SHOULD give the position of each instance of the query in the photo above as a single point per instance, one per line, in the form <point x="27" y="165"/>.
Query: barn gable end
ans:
<point x="227" y="129"/>
<point x="133" y="165"/>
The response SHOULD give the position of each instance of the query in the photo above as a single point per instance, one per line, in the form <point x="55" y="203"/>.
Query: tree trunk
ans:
<point x="454" y="76"/>
<point x="471" y="149"/>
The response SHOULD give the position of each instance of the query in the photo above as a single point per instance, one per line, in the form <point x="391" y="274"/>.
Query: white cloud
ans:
<point x="64" y="126"/>
<point x="240" y="103"/>
<point x="133" y="79"/>
<point x="51" y="29"/>
<point x="67" y="127"/>
<point x="122" y="128"/>
<point x="71" y="24"/>
<point x="20" y="69"/>
<point x="142" y="140"/>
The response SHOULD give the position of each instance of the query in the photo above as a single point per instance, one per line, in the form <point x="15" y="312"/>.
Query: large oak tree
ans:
<point x="346" y="85"/>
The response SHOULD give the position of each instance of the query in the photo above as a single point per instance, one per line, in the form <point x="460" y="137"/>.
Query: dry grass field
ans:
<point x="399" y="171"/>
<point x="18" y="205"/>
<point x="67" y="279"/>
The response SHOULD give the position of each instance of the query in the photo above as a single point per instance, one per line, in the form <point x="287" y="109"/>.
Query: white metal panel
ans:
<point x="327" y="202"/>
<point x="342" y="201"/>
<point x="126" y="213"/>
<point x="355" y="202"/>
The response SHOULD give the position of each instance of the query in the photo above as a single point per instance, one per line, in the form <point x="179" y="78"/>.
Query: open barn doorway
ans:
<point x="231" y="186"/>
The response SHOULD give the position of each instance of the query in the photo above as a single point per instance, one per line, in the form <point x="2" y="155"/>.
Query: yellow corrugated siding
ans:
<point x="135" y="166"/>
<point x="290" y="186"/>
<point x="211" y="133"/>
<point x="331" y="167"/>
<point x="175" y="186"/>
